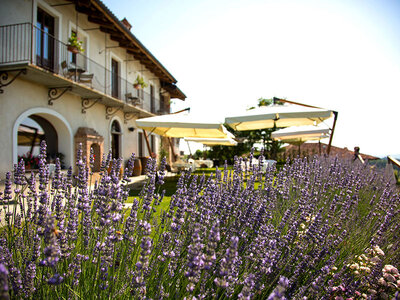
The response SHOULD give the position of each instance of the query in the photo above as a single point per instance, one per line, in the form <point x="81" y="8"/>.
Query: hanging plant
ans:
<point x="74" y="44"/>
<point x="139" y="83"/>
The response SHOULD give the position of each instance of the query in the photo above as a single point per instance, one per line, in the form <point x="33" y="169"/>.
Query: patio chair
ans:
<point x="66" y="71"/>
<point x="86" y="78"/>
<point x="133" y="99"/>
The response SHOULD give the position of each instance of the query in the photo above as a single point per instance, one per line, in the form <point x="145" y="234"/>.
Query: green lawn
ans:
<point x="170" y="188"/>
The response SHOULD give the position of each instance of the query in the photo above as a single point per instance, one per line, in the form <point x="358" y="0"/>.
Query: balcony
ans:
<point x="37" y="56"/>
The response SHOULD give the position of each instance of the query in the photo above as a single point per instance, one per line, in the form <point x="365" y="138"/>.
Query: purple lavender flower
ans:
<point x="161" y="172"/>
<point x="279" y="292"/>
<point x="195" y="260"/>
<point x="4" y="293"/>
<point x="226" y="264"/>
<point x="28" y="279"/>
<point x="56" y="279"/>
<point x="247" y="291"/>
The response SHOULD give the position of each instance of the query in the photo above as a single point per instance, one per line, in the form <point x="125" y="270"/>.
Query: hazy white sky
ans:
<point x="341" y="55"/>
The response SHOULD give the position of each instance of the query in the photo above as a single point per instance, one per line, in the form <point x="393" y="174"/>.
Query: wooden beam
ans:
<point x="393" y="161"/>
<point x="335" y="113"/>
<point x="86" y="10"/>
<point x="112" y="31"/>
<point x="100" y="21"/>
<point x="147" y="142"/>
<point x="116" y="38"/>
<point x="172" y="149"/>
<point x="292" y="102"/>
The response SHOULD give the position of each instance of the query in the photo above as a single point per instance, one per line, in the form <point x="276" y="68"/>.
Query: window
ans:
<point x="114" y="78"/>
<point x="115" y="139"/>
<point x="152" y="100"/>
<point x="45" y="40"/>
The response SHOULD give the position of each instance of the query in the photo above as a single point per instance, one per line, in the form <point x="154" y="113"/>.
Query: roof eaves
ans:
<point x="133" y="38"/>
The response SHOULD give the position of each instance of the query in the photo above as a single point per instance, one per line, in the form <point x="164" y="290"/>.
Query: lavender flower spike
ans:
<point x="4" y="283"/>
<point x="279" y="292"/>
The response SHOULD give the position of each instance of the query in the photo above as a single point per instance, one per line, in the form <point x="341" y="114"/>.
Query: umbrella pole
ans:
<point x="147" y="142"/>
<point x="190" y="151"/>
<point x="33" y="142"/>
<point x="172" y="150"/>
<point x="333" y="130"/>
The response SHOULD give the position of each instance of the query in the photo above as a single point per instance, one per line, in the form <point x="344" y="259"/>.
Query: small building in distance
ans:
<point x="308" y="149"/>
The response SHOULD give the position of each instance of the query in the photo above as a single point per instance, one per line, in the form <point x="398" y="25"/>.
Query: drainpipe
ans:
<point x="32" y="32"/>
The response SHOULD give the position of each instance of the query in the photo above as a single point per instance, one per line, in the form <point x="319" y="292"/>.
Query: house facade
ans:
<point x="53" y="92"/>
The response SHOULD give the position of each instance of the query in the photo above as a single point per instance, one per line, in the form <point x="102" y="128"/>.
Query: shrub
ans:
<point x="239" y="234"/>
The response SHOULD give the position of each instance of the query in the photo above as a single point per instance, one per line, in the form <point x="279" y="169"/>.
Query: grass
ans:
<point x="170" y="188"/>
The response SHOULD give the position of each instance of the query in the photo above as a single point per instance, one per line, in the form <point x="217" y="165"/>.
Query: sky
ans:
<point x="342" y="55"/>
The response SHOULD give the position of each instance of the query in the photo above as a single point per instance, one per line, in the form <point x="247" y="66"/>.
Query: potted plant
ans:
<point x="139" y="83"/>
<point x="74" y="44"/>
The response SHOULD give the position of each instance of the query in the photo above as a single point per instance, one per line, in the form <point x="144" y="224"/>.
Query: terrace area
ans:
<point x="31" y="53"/>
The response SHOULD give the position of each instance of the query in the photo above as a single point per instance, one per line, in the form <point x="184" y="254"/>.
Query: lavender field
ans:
<point x="319" y="228"/>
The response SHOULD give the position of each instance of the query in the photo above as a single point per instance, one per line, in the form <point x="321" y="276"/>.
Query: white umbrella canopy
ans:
<point x="300" y="134"/>
<point x="183" y="125"/>
<point x="213" y="142"/>
<point x="279" y="116"/>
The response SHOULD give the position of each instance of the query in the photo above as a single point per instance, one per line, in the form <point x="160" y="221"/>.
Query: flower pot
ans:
<point x="137" y="86"/>
<point x="137" y="167"/>
<point x="144" y="160"/>
<point x="121" y="170"/>
<point x="72" y="49"/>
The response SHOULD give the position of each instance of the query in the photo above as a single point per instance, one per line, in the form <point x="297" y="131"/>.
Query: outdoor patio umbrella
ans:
<point x="29" y="136"/>
<point x="279" y="116"/>
<point x="213" y="142"/>
<point x="299" y="134"/>
<point x="183" y="125"/>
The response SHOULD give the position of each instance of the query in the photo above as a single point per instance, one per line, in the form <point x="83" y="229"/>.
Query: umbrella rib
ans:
<point x="165" y="132"/>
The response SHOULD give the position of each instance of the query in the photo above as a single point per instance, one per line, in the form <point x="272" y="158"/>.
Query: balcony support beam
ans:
<point x="56" y="92"/>
<point x="129" y="116"/>
<point x="86" y="103"/>
<point x="110" y="111"/>
<point x="4" y="76"/>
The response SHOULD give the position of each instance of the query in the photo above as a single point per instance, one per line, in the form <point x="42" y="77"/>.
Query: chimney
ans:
<point x="126" y="23"/>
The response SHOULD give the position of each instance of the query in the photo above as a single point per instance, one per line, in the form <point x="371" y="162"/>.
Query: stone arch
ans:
<point x="58" y="122"/>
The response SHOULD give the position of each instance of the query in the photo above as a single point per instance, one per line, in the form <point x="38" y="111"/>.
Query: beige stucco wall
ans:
<point x="15" y="11"/>
<point x="22" y="97"/>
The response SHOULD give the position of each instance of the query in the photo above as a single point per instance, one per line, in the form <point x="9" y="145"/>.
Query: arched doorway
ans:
<point x="31" y="132"/>
<point x="115" y="139"/>
<point x="37" y="124"/>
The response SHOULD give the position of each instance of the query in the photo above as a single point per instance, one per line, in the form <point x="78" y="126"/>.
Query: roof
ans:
<point x="313" y="148"/>
<point x="100" y="14"/>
